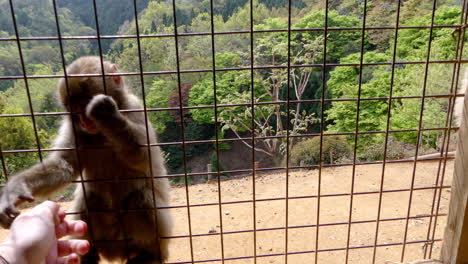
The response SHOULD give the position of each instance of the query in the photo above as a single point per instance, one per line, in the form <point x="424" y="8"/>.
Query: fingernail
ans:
<point x="84" y="248"/>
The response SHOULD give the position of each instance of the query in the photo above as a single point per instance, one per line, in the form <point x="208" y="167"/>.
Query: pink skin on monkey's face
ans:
<point x="86" y="123"/>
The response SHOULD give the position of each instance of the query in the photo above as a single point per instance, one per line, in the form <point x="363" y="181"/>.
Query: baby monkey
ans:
<point x="118" y="198"/>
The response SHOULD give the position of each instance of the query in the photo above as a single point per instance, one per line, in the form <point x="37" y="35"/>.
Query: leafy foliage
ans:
<point x="17" y="133"/>
<point x="340" y="42"/>
<point x="396" y="149"/>
<point x="233" y="88"/>
<point x="334" y="149"/>
<point x="376" y="81"/>
<point x="344" y="83"/>
<point x="157" y="97"/>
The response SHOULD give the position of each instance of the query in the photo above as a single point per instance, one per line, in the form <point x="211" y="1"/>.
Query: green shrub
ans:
<point x="396" y="149"/>
<point x="335" y="148"/>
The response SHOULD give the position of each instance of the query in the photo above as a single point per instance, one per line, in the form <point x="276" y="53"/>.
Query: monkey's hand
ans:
<point x="12" y="195"/>
<point x="101" y="109"/>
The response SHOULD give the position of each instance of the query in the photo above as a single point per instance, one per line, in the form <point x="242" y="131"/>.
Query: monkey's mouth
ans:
<point x="87" y="124"/>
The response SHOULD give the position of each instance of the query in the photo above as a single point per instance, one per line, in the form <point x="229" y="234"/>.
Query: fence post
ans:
<point x="209" y="169"/>
<point x="455" y="243"/>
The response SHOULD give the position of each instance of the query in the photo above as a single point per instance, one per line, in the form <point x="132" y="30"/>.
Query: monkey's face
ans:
<point x="77" y="95"/>
<point x="82" y="91"/>
<point x="76" y="92"/>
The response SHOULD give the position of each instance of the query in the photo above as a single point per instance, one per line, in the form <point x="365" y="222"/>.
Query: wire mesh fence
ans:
<point x="386" y="199"/>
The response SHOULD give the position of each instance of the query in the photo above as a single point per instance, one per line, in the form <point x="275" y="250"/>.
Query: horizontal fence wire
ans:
<point x="443" y="155"/>
<point x="328" y="65"/>
<point x="221" y="33"/>
<point x="246" y="104"/>
<point x="208" y="141"/>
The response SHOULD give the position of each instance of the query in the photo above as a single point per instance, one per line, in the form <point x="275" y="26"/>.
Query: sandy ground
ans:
<point x="302" y="215"/>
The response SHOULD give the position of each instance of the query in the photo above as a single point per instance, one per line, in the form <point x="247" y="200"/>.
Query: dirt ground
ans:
<point x="302" y="213"/>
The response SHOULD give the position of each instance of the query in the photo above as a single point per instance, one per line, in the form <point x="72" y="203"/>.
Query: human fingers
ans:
<point x="61" y="214"/>
<point x="52" y="206"/>
<point x="71" y="227"/>
<point x="71" y="259"/>
<point x="72" y="246"/>
<point x="46" y="209"/>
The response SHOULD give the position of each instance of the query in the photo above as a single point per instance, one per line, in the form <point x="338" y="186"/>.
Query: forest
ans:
<point x="272" y="119"/>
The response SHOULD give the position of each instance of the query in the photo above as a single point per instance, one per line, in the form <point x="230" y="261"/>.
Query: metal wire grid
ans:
<point x="442" y="159"/>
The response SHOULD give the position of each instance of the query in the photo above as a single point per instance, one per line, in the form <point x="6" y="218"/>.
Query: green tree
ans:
<point x="406" y="112"/>
<point x="17" y="134"/>
<point x="41" y="90"/>
<point x="270" y="119"/>
<point x="339" y="43"/>
<point x="408" y="81"/>
<point x="344" y="83"/>
<point x="227" y="84"/>
<point x="157" y="97"/>
<point x="413" y="43"/>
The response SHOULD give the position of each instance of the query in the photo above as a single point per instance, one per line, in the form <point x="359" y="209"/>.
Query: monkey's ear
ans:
<point x="117" y="79"/>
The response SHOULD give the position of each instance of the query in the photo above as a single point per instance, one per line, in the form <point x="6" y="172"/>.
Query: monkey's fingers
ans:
<point x="73" y="246"/>
<point x="23" y="198"/>
<point x="72" y="259"/>
<point x="5" y="220"/>
<point x="26" y="198"/>
<point x="12" y="212"/>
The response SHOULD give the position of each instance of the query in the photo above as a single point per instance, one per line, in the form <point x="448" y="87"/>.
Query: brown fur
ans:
<point x="114" y="153"/>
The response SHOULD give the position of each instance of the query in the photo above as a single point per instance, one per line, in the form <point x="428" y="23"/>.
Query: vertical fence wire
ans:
<point x="116" y="180"/>
<point x="288" y="123"/>
<point x="454" y="88"/>
<point x="98" y="34"/>
<point x="150" y="158"/>
<point x="445" y="141"/>
<point x="387" y="129"/>
<point x="322" y="128"/>
<point x="2" y="160"/>
<point x="182" y="129"/>
<point x="104" y="82"/>
<point x="358" y="108"/>
<point x="75" y="138"/>
<point x="418" y="142"/>
<point x="218" y="174"/>
<point x="25" y="78"/>
<point x="252" y="107"/>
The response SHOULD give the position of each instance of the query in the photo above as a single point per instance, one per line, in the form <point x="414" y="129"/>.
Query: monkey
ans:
<point x="112" y="157"/>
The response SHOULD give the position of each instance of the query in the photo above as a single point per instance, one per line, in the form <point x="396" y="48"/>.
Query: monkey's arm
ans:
<point x="126" y="136"/>
<point x="44" y="178"/>
<point x="40" y="180"/>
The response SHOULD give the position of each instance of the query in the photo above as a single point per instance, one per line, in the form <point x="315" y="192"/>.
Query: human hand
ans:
<point x="34" y="237"/>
